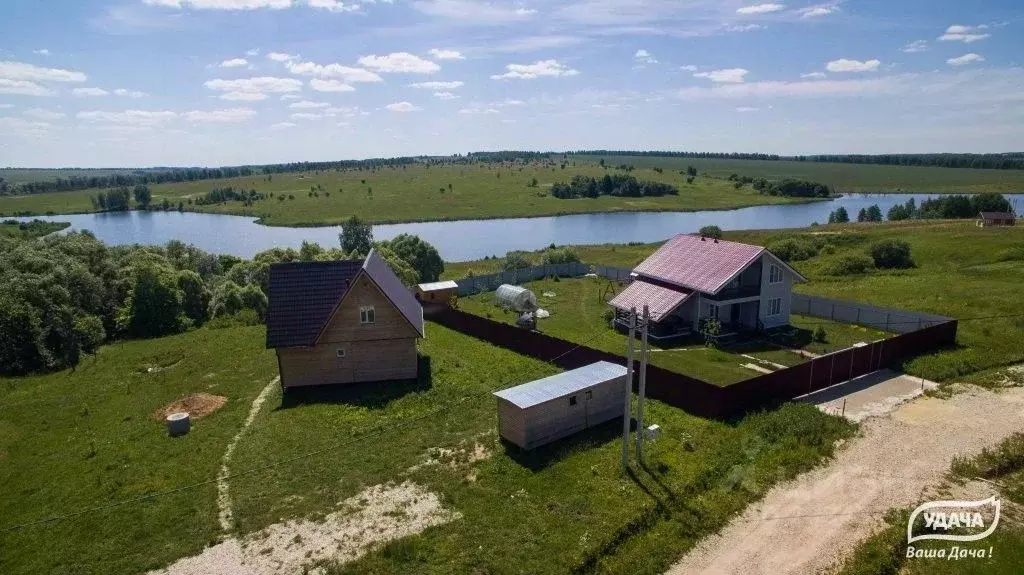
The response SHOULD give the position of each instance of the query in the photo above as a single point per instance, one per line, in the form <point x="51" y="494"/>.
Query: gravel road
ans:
<point x="809" y="524"/>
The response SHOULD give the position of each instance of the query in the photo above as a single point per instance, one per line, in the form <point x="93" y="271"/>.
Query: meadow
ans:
<point x="416" y="193"/>
<point x="89" y="438"/>
<point x="22" y="175"/>
<point x="865" y="178"/>
<point x="962" y="271"/>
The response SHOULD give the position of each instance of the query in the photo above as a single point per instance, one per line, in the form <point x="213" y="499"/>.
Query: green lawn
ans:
<point x="885" y="551"/>
<point x="865" y="178"/>
<point x="74" y="440"/>
<point x="30" y="230"/>
<point x="416" y="193"/>
<point x="962" y="271"/>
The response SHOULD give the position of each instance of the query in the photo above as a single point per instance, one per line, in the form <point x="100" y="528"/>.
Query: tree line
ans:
<point x="610" y="185"/>
<point x="788" y="187"/>
<point x="951" y="207"/>
<point x="1009" y="161"/>
<point x="63" y="296"/>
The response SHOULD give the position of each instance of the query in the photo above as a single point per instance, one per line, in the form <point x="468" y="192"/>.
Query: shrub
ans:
<point x="820" y="335"/>
<point x="850" y="264"/>
<point x="557" y="256"/>
<point x="793" y="250"/>
<point x="891" y="254"/>
<point x="711" y="232"/>
<point x="515" y="261"/>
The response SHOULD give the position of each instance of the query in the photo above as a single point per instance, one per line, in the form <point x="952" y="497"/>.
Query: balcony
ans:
<point x="735" y="293"/>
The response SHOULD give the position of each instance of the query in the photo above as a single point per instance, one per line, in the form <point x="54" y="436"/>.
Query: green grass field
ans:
<point x="76" y="440"/>
<point x="24" y="175"/>
<point x="962" y="271"/>
<point x="416" y="193"/>
<point x="843" y="177"/>
<point x="30" y="230"/>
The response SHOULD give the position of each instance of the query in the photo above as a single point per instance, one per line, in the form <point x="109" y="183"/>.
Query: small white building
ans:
<point x="549" y="409"/>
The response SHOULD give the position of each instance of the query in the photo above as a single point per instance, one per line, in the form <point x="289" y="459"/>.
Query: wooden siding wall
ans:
<point x="510" y="422"/>
<point x="442" y="295"/>
<point x="377" y="360"/>
<point x="555" y="419"/>
<point x="389" y="322"/>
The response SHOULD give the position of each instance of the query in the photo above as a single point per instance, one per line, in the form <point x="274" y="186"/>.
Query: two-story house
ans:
<point x="692" y="278"/>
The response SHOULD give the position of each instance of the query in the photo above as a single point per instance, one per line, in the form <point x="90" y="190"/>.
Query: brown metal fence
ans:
<point x="702" y="398"/>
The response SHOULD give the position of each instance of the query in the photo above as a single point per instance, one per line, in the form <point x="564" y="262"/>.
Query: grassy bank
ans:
<point x="26" y="230"/>
<point x="962" y="271"/>
<point x="416" y="193"/>
<point x="75" y="440"/>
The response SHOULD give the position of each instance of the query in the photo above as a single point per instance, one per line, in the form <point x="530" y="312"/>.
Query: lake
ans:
<point x="470" y="239"/>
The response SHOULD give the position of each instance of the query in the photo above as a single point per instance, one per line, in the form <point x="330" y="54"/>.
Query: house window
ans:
<point x="367" y="314"/>
<point x="775" y="306"/>
<point x="340" y="353"/>
<point x="712" y="311"/>
<point x="590" y="395"/>
<point x="572" y="400"/>
<point x="774" y="274"/>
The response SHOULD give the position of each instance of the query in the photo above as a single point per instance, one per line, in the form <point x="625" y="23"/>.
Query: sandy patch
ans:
<point x="197" y="405"/>
<point x="375" y="516"/>
<point x="457" y="458"/>
<point x="225" y="516"/>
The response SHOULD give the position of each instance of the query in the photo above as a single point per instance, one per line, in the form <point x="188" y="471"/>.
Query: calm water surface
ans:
<point x="468" y="240"/>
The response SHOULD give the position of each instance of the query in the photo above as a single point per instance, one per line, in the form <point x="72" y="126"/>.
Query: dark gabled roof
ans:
<point x="302" y="297"/>
<point x="997" y="216"/>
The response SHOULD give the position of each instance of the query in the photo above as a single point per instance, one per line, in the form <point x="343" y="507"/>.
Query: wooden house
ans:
<point x="437" y="292"/>
<point x="548" y="409"/>
<point x="989" y="219"/>
<point x="342" y="322"/>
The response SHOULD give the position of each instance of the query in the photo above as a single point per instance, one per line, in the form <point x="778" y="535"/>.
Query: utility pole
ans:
<point x="643" y="389"/>
<point x="627" y="411"/>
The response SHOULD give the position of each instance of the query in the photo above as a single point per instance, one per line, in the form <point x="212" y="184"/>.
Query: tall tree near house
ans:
<point x="356" y="236"/>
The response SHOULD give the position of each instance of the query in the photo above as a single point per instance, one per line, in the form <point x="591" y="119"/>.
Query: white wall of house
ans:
<point x="782" y="290"/>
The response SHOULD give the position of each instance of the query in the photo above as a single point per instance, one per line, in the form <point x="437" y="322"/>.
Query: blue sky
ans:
<point x="216" y="82"/>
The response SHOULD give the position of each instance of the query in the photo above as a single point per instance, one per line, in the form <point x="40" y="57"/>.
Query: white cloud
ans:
<point x="742" y="27"/>
<point x="478" y="111"/>
<point x="290" y="97"/>
<point x="814" y="75"/>
<point x="400" y="62"/>
<point x="915" y="47"/>
<point x="802" y="89"/>
<point x="41" y="52"/>
<point x="402" y="107"/>
<point x="330" y="86"/>
<point x="223" y="4"/>
<point x="644" y="57"/>
<point x="234" y="63"/>
<point x="225" y="116"/>
<point x="819" y="10"/>
<point x="443" y="54"/>
<point x="550" y="68"/>
<point x="726" y="76"/>
<point x="446" y="96"/>
<point x="346" y="74"/>
<point x="280" y="57"/>
<point x="745" y="109"/>
<point x="345" y="112"/>
<point x="333" y="5"/>
<point x="243" y="96"/>
<point x="129" y="93"/>
<point x="259" y="85"/>
<point x="253" y="52"/>
<point x="846" y="65"/>
<point x="486" y="12"/>
<point x="306" y="116"/>
<point x="23" y="127"/>
<point x="511" y="103"/>
<point x="308" y="105"/>
<point x="140" y="118"/>
<point x="24" y="88"/>
<point x="6" y="106"/>
<point x="760" y="9"/>
<point x="965" y="34"/>
<point x="282" y="126"/>
<point x="965" y="59"/>
<point x="689" y="68"/>
<point x="21" y="71"/>
<point x="437" y="85"/>
<point x="90" y="92"/>
<point x="44" y="115"/>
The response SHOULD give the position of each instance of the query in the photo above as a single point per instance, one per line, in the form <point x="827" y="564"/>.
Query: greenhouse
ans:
<point x="516" y="297"/>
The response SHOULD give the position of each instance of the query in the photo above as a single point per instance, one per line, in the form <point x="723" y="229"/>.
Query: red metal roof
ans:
<point x="660" y="301"/>
<point x="700" y="265"/>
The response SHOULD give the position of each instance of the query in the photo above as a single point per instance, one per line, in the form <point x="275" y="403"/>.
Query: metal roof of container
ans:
<point x="436" y="286"/>
<point x="562" y="384"/>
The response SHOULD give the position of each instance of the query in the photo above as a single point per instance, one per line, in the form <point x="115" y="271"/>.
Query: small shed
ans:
<point x="437" y="292"/>
<point x="549" y="409"/>
<point x="517" y="298"/>
<point x="986" y="219"/>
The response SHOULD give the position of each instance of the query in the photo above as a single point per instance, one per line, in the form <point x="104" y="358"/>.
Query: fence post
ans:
<point x="833" y="316"/>
<point x="887" y="315"/>
<point x="810" y="377"/>
<point x="832" y="371"/>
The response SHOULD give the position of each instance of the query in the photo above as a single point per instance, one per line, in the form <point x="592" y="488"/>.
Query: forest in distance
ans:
<point x="81" y="179"/>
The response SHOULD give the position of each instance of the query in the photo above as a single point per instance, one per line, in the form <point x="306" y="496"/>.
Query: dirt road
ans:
<point x="809" y="524"/>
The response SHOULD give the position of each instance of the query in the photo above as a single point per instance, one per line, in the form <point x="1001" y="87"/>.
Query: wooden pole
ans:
<point x="643" y="389"/>
<point x="628" y="407"/>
